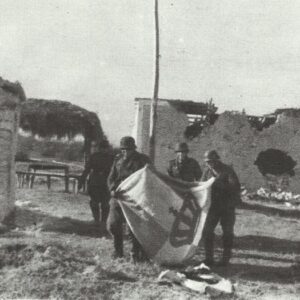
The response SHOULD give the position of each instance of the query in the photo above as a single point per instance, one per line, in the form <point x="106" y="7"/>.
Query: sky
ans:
<point x="99" y="54"/>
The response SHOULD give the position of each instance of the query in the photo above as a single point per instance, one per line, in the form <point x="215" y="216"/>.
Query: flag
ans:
<point x="166" y="215"/>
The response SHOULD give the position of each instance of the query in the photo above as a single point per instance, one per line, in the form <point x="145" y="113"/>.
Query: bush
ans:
<point x="22" y="156"/>
<point x="50" y="148"/>
<point x="72" y="151"/>
<point x="25" y="144"/>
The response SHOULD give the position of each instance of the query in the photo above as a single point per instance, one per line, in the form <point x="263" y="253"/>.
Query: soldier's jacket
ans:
<point x="187" y="170"/>
<point x="226" y="188"/>
<point x="123" y="168"/>
<point x="97" y="167"/>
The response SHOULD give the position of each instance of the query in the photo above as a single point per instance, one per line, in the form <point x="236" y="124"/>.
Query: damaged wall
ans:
<point x="10" y="97"/>
<point x="170" y="126"/>
<point x="232" y="136"/>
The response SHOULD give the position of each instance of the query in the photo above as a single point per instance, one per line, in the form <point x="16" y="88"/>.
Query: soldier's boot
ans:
<point x="143" y="256"/>
<point x="224" y="262"/>
<point x="104" y="211"/>
<point x="118" y="246"/>
<point x="135" y="254"/>
<point x="227" y="250"/>
<point x="95" y="212"/>
<point x="209" y="250"/>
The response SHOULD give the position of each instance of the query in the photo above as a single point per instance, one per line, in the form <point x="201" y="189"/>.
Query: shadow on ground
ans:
<point x="262" y="244"/>
<point x="267" y="244"/>
<point x="26" y="218"/>
<point x="271" y="211"/>
<point x="270" y="257"/>
<point x="270" y="274"/>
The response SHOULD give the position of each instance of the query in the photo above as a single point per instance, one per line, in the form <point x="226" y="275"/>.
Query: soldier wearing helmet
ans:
<point x="225" y="195"/>
<point x="184" y="167"/>
<point x="125" y="164"/>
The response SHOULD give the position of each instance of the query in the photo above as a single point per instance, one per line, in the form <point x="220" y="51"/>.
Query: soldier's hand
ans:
<point x="116" y="194"/>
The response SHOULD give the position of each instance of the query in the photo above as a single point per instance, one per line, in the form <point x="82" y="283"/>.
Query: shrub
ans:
<point x="72" y="151"/>
<point x="50" y="148"/>
<point x="22" y="156"/>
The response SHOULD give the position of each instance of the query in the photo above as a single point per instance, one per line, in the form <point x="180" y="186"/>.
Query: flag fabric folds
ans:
<point x="166" y="215"/>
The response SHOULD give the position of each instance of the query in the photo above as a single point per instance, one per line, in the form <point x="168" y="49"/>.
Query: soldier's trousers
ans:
<point x="226" y="216"/>
<point x="115" y="223"/>
<point x="99" y="197"/>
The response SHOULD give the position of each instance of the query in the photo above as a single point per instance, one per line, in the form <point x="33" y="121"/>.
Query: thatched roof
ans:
<point x="48" y="118"/>
<point x="15" y="89"/>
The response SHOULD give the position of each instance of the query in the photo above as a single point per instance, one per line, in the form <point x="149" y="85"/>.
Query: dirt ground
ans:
<point x="51" y="250"/>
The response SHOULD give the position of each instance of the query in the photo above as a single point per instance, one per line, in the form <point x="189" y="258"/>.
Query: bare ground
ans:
<point x="51" y="249"/>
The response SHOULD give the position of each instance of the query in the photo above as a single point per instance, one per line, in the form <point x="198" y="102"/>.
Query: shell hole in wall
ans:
<point x="275" y="162"/>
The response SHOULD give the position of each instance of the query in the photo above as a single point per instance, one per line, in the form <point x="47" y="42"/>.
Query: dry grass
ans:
<point x="54" y="252"/>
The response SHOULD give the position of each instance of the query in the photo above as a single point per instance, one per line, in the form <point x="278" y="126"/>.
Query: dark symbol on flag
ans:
<point x="185" y="223"/>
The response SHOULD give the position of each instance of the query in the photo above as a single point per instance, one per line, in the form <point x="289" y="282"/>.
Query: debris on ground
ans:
<point x="288" y="198"/>
<point x="199" y="279"/>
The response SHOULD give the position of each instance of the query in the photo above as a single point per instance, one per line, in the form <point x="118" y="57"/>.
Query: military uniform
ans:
<point x="98" y="167"/>
<point x="121" y="169"/>
<point x="225" y="195"/>
<point x="187" y="170"/>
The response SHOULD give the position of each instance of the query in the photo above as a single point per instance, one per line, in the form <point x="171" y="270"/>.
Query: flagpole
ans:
<point x="153" y="112"/>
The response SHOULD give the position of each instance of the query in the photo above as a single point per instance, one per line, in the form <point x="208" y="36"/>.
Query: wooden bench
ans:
<point x="26" y="178"/>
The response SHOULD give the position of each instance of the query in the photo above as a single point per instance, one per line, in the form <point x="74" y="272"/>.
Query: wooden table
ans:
<point x="25" y="177"/>
<point x="35" y="167"/>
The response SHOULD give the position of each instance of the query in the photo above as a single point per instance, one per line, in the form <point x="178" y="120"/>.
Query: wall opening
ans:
<point x="197" y="123"/>
<point x="275" y="162"/>
<point x="260" y="123"/>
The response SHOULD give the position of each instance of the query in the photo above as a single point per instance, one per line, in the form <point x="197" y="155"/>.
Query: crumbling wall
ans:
<point x="10" y="97"/>
<point x="235" y="142"/>
<point x="239" y="145"/>
<point x="231" y="135"/>
<point x="284" y="135"/>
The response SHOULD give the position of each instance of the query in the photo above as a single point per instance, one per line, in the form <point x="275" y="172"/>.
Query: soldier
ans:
<point x="184" y="167"/>
<point x="125" y="164"/>
<point x="98" y="167"/>
<point x="225" y="195"/>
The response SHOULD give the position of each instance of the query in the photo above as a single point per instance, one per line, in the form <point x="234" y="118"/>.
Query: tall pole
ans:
<point x="153" y="113"/>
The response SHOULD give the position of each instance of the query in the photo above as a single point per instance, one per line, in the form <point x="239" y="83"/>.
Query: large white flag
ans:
<point x="166" y="215"/>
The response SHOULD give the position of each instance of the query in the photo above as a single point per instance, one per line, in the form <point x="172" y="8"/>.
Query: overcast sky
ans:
<point x="99" y="53"/>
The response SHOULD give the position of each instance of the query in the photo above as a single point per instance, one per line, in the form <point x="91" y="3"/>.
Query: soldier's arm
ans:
<point x="108" y="165"/>
<point x="86" y="171"/>
<point x="205" y="175"/>
<point x="148" y="160"/>
<point x="111" y="179"/>
<point x="197" y="171"/>
<point x="169" y="169"/>
<point x="143" y="160"/>
<point x="234" y="187"/>
<point x="233" y="181"/>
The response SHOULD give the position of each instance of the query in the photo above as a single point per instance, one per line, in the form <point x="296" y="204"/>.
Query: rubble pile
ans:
<point x="287" y="198"/>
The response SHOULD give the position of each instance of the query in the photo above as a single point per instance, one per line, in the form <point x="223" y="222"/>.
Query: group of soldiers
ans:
<point x="106" y="172"/>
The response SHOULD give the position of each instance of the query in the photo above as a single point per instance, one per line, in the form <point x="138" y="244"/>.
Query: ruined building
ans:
<point x="11" y="95"/>
<point x="238" y="138"/>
